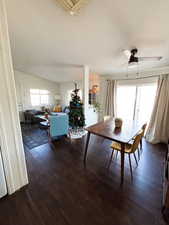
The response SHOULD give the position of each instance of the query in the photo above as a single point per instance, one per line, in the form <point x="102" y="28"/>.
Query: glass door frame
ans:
<point x="137" y="95"/>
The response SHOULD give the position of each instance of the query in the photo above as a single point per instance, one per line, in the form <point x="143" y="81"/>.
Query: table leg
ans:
<point x="122" y="161"/>
<point x="86" y="147"/>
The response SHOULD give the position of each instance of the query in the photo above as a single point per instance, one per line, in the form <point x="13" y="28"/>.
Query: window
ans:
<point x="39" y="97"/>
<point x="135" y="102"/>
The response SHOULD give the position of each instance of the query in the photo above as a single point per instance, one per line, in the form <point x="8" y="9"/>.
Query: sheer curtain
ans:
<point x="158" y="129"/>
<point x="110" y="101"/>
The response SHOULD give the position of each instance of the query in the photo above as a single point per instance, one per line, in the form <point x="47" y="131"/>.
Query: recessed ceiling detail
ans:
<point x="73" y="6"/>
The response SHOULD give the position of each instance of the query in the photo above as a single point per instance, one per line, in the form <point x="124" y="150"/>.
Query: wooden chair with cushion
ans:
<point x="143" y="132"/>
<point x="129" y="149"/>
<point x="143" y="128"/>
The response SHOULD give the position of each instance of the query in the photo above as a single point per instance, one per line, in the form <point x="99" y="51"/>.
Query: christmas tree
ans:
<point x="76" y="114"/>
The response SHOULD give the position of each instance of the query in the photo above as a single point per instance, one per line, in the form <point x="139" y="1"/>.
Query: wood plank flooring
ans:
<point x="63" y="192"/>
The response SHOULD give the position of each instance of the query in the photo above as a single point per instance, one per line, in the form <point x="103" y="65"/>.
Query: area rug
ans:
<point x="33" y="136"/>
<point x="77" y="133"/>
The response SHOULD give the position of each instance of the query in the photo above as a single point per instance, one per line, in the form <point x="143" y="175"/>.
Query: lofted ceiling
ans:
<point x="47" y="41"/>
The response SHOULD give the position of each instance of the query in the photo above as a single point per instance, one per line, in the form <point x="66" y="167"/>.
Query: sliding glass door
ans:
<point x="135" y="101"/>
<point x="145" y="102"/>
<point x="126" y="102"/>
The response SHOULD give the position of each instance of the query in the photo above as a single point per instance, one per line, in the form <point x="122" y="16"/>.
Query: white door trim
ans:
<point x="11" y="139"/>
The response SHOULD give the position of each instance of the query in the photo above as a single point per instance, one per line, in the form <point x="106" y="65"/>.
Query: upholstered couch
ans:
<point x="30" y="116"/>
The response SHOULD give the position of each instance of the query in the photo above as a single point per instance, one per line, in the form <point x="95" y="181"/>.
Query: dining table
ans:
<point x="106" y="129"/>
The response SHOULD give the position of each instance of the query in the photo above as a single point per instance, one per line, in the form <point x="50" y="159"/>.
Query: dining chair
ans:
<point x="129" y="149"/>
<point x="143" y="132"/>
<point x="140" y="150"/>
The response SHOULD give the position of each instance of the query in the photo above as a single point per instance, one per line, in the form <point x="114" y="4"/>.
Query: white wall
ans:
<point x="25" y="82"/>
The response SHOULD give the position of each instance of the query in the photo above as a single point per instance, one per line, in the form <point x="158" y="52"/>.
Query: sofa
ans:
<point x="30" y="116"/>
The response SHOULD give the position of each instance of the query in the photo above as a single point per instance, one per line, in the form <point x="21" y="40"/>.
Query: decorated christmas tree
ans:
<point x="76" y="114"/>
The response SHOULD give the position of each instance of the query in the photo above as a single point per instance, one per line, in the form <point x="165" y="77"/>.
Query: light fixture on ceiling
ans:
<point x="72" y="6"/>
<point x="72" y="13"/>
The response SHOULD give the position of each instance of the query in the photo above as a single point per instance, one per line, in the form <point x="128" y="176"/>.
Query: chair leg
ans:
<point x="116" y="154"/>
<point x="102" y="141"/>
<point x="111" y="157"/>
<point x="138" y="151"/>
<point x="135" y="158"/>
<point x="141" y="145"/>
<point x="130" y="166"/>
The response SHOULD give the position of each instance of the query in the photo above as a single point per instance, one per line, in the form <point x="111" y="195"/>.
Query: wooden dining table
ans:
<point x="107" y="130"/>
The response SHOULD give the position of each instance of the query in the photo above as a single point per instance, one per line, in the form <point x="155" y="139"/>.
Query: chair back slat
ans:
<point x="136" y="141"/>
<point x="143" y="129"/>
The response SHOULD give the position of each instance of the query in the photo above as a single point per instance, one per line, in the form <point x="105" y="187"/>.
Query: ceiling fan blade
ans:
<point x="127" y="53"/>
<point x="156" y="58"/>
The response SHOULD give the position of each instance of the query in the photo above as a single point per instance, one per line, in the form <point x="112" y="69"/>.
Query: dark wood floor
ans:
<point x="63" y="192"/>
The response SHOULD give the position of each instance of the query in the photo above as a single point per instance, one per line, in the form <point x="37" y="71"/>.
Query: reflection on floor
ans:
<point x="63" y="192"/>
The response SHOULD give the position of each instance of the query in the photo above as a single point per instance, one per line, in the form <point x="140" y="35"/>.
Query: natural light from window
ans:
<point x="126" y="101"/>
<point x="135" y="102"/>
<point x="39" y="97"/>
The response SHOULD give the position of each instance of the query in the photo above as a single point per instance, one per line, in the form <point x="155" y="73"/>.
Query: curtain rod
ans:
<point x="135" y="78"/>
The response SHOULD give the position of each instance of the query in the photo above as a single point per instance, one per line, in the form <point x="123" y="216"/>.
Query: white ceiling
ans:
<point x="49" y="42"/>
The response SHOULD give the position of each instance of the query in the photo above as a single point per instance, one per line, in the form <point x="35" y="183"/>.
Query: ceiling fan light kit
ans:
<point x="72" y="6"/>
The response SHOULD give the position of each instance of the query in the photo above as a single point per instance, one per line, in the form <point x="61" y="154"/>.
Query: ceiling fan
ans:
<point x="133" y="59"/>
<point x="73" y="6"/>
